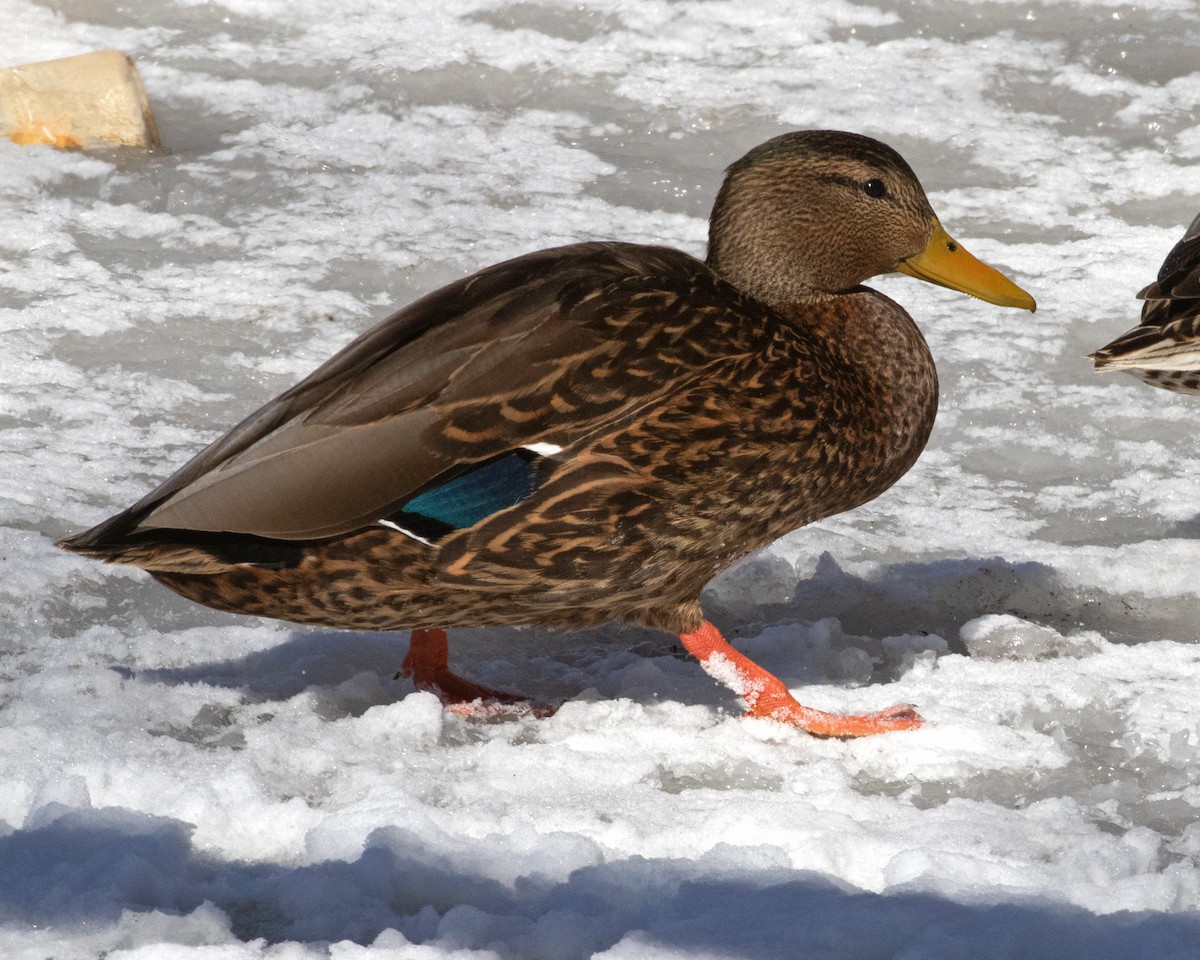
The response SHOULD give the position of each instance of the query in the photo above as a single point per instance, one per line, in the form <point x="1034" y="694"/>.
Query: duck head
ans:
<point x="812" y="214"/>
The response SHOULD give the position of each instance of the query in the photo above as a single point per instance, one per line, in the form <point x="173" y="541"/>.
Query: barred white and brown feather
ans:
<point x="1164" y="349"/>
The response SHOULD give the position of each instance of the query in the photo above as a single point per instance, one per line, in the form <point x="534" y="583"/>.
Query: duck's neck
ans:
<point x="758" y="276"/>
<point x="886" y="358"/>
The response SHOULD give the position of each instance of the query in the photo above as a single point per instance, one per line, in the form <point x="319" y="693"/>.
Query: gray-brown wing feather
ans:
<point x="484" y="365"/>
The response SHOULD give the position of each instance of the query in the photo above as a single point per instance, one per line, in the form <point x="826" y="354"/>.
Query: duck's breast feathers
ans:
<point x="534" y="354"/>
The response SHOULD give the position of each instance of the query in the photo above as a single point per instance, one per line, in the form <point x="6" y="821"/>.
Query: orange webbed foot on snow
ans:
<point x="766" y="696"/>
<point x="428" y="664"/>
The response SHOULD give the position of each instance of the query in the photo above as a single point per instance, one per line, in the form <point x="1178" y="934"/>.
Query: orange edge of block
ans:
<point x="51" y="111"/>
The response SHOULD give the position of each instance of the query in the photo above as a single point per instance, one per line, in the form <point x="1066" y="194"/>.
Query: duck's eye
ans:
<point x="874" y="188"/>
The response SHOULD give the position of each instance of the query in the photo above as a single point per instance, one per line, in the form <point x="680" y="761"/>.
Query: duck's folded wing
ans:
<point x="534" y="354"/>
<point x="1173" y="299"/>
<point x="1167" y="340"/>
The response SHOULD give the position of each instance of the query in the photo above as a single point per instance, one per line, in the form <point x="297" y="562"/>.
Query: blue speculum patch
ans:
<point x="466" y="498"/>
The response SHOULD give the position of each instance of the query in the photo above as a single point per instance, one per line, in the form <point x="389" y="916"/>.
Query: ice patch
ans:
<point x="1001" y="636"/>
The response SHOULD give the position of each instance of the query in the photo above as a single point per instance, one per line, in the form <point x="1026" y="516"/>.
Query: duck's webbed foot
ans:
<point x="768" y="698"/>
<point x="428" y="664"/>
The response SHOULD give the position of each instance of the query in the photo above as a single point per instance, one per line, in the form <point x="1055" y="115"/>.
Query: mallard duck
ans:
<point x="1164" y="349"/>
<point x="586" y="434"/>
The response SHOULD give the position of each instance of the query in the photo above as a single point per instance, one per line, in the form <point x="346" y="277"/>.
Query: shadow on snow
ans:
<point x="901" y="599"/>
<point x="80" y="869"/>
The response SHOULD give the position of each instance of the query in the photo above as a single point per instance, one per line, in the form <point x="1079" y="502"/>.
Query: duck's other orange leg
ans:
<point x="766" y="696"/>
<point x="428" y="663"/>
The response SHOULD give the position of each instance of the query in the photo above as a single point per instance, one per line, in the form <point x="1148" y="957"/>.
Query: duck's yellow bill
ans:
<point x="947" y="263"/>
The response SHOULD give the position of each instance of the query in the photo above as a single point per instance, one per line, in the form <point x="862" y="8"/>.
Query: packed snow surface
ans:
<point x="179" y="783"/>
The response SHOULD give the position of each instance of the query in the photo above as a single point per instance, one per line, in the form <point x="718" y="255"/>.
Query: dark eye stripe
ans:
<point x="862" y="185"/>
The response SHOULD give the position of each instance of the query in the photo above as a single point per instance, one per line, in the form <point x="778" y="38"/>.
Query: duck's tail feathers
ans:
<point x="179" y="551"/>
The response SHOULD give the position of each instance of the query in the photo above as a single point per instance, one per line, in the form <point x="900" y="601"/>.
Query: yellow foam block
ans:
<point x="95" y="99"/>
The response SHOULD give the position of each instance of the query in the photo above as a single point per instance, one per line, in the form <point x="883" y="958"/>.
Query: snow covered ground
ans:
<point x="178" y="783"/>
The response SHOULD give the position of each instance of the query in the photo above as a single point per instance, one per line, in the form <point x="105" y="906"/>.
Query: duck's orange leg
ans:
<point x="766" y="696"/>
<point x="428" y="663"/>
